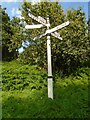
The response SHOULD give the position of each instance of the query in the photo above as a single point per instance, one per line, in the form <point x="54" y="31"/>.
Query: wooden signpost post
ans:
<point x="48" y="32"/>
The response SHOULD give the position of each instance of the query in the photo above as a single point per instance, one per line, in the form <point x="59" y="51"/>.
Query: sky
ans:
<point x="13" y="7"/>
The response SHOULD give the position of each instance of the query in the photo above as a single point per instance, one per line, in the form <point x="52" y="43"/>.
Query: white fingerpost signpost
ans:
<point x="49" y="32"/>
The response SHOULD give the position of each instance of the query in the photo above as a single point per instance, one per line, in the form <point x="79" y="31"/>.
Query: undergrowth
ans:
<point x="24" y="93"/>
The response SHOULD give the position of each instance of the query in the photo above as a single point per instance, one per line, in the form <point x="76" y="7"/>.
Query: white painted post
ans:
<point x="50" y="79"/>
<point x="48" y="33"/>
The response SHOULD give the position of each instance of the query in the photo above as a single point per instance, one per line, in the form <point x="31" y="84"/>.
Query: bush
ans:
<point x="18" y="76"/>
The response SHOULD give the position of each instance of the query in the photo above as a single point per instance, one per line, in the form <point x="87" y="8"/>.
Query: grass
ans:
<point x="24" y="93"/>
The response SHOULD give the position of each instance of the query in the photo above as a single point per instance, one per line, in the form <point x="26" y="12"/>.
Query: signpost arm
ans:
<point x="50" y="79"/>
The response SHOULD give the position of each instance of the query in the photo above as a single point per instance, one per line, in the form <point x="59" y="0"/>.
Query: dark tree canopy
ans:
<point x="12" y="36"/>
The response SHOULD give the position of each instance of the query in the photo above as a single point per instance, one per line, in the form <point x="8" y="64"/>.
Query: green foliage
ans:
<point x="12" y="36"/>
<point x="6" y="34"/>
<point x="89" y="39"/>
<point x="18" y="77"/>
<point x="26" y="104"/>
<point x="17" y="34"/>
<point x="68" y="54"/>
<point x="70" y="93"/>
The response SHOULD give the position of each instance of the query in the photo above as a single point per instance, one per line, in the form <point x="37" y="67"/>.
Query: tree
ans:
<point x="0" y="35"/>
<point x="6" y="34"/>
<point x="67" y="54"/>
<point x="17" y="36"/>
<point x="88" y="54"/>
<point x="12" y="36"/>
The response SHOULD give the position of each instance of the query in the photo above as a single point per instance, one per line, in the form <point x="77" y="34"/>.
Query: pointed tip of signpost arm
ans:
<point x="68" y="22"/>
<point x="26" y="27"/>
<point x="61" y="38"/>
